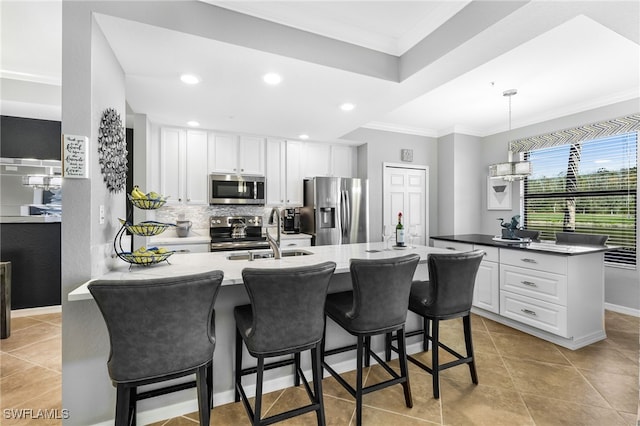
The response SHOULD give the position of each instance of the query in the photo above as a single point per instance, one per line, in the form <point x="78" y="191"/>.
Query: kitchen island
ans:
<point x="232" y="293"/>
<point x="552" y="291"/>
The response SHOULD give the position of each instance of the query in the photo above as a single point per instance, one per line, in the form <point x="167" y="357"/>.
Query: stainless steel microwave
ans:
<point x="236" y="189"/>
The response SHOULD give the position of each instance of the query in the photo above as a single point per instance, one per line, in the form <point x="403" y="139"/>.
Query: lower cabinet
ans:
<point x="289" y="241"/>
<point x="486" y="292"/>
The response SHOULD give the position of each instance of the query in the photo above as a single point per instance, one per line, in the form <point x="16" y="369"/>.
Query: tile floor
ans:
<point x="523" y="381"/>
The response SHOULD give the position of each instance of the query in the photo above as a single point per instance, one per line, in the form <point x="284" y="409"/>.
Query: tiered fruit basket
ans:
<point x="142" y="256"/>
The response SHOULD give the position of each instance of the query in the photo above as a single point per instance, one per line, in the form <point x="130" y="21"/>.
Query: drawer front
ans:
<point x="534" y="260"/>
<point x="452" y="245"/>
<point x="492" y="253"/>
<point x="536" y="284"/>
<point x="536" y="313"/>
<point x="298" y="242"/>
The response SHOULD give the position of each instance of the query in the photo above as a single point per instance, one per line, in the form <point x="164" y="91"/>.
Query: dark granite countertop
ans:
<point x="549" y="247"/>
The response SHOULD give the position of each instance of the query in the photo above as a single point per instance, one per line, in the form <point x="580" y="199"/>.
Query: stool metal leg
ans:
<point x="257" y="412"/>
<point x="367" y="351"/>
<point x="210" y="385"/>
<point x="404" y="372"/>
<point x="466" y="322"/>
<point x="435" y="344"/>
<point x="316" y="365"/>
<point x="203" y="395"/>
<point x="425" y="339"/>
<point x="123" y="405"/>
<point x="296" y="367"/>
<point x="388" y="339"/>
<point x="359" y="356"/>
<point x="238" y="364"/>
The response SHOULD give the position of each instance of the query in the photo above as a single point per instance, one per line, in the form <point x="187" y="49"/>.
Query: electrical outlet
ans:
<point x="101" y="214"/>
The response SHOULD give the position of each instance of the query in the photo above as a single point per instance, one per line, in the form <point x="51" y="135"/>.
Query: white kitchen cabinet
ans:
<point x="486" y="291"/>
<point x="183" y="166"/>
<point x="234" y="154"/>
<point x="343" y="161"/>
<point x="289" y="241"/>
<point x="323" y="159"/>
<point x="284" y="173"/>
<point x="317" y="159"/>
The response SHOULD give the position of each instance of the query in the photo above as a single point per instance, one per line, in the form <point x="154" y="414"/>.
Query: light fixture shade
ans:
<point x="511" y="170"/>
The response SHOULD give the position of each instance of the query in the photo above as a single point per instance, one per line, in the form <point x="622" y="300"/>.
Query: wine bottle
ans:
<point x="400" y="231"/>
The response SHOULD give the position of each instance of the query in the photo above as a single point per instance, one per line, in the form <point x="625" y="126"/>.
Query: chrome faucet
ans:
<point x="275" y="243"/>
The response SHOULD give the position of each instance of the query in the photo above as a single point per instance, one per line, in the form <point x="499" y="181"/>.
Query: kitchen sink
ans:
<point x="267" y="254"/>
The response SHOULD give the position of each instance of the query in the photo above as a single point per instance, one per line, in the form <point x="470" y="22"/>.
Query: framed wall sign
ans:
<point x="75" y="161"/>
<point x="498" y="194"/>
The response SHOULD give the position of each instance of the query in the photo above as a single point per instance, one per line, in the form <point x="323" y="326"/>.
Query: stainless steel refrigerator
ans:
<point x="336" y="210"/>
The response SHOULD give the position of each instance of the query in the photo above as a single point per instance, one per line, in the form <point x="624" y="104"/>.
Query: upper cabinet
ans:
<point x="343" y="161"/>
<point x="284" y="173"/>
<point x="236" y="154"/>
<point x="183" y="166"/>
<point x="323" y="159"/>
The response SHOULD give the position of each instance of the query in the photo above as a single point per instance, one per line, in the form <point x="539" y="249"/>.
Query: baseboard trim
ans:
<point x="29" y="312"/>
<point x="225" y="397"/>
<point x="622" y="309"/>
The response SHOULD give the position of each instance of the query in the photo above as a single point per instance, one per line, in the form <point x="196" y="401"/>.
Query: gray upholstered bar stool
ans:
<point x="447" y="295"/>
<point x="286" y="316"/>
<point x="159" y="329"/>
<point x="579" y="238"/>
<point x="376" y="305"/>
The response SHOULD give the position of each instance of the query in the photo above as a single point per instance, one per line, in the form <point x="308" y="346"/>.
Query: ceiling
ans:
<point x="562" y="57"/>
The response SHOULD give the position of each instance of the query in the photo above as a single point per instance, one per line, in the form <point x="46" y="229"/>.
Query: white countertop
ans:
<point x="201" y="236"/>
<point x="194" y="263"/>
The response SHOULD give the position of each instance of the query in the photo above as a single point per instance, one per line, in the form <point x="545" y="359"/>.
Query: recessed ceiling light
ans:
<point x="272" y="78"/>
<point x="347" y="106"/>
<point x="304" y="136"/>
<point x="190" y="79"/>
<point x="193" y="123"/>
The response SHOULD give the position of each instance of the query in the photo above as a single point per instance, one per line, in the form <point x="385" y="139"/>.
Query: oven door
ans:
<point x="232" y="189"/>
<point x="238" y="245"/>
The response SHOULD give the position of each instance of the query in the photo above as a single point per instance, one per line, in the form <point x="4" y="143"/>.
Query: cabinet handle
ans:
<point x="529" y="312"/>
<point x="242" y="170"/>
<point x="179" y="199"/>
<point x="529" y="283"/>
<point x="188" y="200"/>
<point x="529" y="260"/>
<point x="451" y="248"/>
<point x="291" y="244"/>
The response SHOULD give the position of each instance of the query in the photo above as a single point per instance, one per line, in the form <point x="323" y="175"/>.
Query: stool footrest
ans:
<point x="270" y="366"/>
<point x="165" y="390"/>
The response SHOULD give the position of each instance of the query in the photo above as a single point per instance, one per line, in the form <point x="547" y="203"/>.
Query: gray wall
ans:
<point x="459" y="187"/>
<point x="93" y="81"/>
<point x="621" y="285"/>
<point x="384" y="147"/>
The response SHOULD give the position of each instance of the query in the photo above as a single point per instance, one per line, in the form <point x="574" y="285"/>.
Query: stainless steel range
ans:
<point x="236" y="233"/>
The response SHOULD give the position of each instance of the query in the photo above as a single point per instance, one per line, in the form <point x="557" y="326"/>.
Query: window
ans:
<point x="586" y="187"/>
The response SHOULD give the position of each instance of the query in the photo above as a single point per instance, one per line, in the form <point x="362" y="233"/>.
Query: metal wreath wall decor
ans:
<point x="112" y="150"/>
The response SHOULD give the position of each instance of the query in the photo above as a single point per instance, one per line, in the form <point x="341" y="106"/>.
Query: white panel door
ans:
<point x="275" y="172"/>
<point x="223" y="154"/>
<point x="342" y="159"/>
<point x="171" y="165"/>
<point x="196" y="168"/>
<point x="295" y="174"/>
<point x="317" y="159"/>
<point x="405" y="190"/>
<point x="251" y="155"/>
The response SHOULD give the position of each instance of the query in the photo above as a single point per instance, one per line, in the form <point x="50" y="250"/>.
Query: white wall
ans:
<point x="459" y="188"/>
<point x="622" y="286"/>
<point x="92" y="81"/>
<point x="384" y="147"/>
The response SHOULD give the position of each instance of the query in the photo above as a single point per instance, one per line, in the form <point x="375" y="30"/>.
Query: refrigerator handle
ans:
<point x="347" y="213"/>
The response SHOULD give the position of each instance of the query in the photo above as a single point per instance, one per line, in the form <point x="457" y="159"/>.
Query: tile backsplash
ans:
<point x="199" y="215"/>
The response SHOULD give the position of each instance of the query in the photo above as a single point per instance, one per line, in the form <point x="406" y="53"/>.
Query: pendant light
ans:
<point x="511" y="170"/>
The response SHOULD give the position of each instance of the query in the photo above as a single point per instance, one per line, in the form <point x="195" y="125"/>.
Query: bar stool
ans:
<point x="159" y="329"/>
<point x="448" y="294"/>
<point x="579" y="238"/>
<point x="286" y="316"/>
<point x="377" y="305"/>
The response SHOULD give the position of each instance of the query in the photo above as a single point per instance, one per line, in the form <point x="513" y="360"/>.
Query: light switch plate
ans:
<point x="406" y="155"/>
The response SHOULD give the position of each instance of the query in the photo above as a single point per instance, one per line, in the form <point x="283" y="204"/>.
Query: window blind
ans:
<point x="586" y="187"/>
